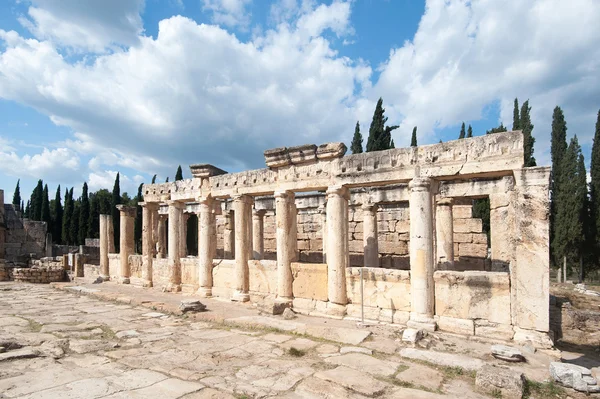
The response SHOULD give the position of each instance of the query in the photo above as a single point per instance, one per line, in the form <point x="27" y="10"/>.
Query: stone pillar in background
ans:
<point x="241" y="204"/>
<point x="48" y="245"/>
<point x="444" y="230"/>
<point x="155" y="236"/>
<point x="79" y="261"/>
<point x="502" y="231"/>
<point x="229" y="235"/>
<point x="258" y="229"/>
<point x="285" y="219"/>
<point x="337" y="243"/>
<point x="249" y="229"/>
<point x="421" y="255"/>
<point x="206" y="232"/>
<point x="149" y="215"/>
<point x="323" y="213"/>
<point x="2" y="224"/>
<point x="111" y="235"/>
<point x="161" y="247"/>
<point x="175" y="219"/>
<point x="104" y="245"/>
<point x="370" y="243"/>
<point x="183" y="234"/>
<point x="126" y="240"/>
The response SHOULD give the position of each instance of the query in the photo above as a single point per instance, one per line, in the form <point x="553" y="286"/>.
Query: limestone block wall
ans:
<point x="36" y="274"/>
<point x="22" y="236"/>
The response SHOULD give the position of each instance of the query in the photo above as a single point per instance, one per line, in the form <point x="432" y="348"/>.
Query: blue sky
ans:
<point x="90" y="88"/>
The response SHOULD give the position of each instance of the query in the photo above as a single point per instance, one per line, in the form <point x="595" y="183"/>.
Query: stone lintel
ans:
<point x="277" y="157"/>
<point x="127" y="210"/>
<point x="476" y="188"/>
<point x="302" y="154"/>
<point x="331" y="150"/>
<point x="205" y="170"/>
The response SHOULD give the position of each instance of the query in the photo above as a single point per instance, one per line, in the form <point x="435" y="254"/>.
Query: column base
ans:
<point x="280" y="304"/>
<point x="239" y="296"/>
<point x="422" y="322"/>
<point x="124" y="280"/>
<point x="204" y="292"/>
<point x="105" y="278"/>
<point x="174" y="287"/>
<point x="147" y="284"/>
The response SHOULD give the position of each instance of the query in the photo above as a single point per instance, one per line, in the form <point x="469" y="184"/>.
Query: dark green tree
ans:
<point x="167" y="180"/>
<point x="116" y="200"/>
<point x="392" y="145"/>
<point x="462" y="133"/>
<point x="27" y="210"/>
<point x="17" y="197"/>
<point x="569" y="237"/>
<point x="380" y="135"/>
<point x="516" y="118"/>
<point x="528" y="139"/>
<point x="413" y="139"/>
<point x="67" y="215"/>
<point x="595" y="190"/>
<point x="45" y="215"/>
<point x="357" y="140"/>
<point x="469" y="131"/>
<point x="94" y="217"/>
<point x="74" y="230"/>
<point x="56" y="215"/>
<point x="154" y="179"/>
<point x="84" y="215"/>
<point x="104" y="198"/>
<point x="179" y="174"/>
<point x="37" y="198"/>
<point x="22" y="208"/>
<point x="498" y="129"/>
<point x="137" y="229"/>
<point x="558" y="148"/>
<point x="481" y="210"/>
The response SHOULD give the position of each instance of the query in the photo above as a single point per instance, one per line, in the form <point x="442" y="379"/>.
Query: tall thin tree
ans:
<point x="45" y="215"/>
<point x="462" y="133"/>
<point x="558" y="148"/>
<point x="380" y="135"/>
<point x="413" y="139"/>
<point x="469" y="132"/>
<point x="56" y="215"/>
<point x="66" y="221"/>
<point x="528" y="139"/>
<point x="516" y="118"/>
<point x="179" y="174"/>
<point x="17" y="197"/>
<point x="116" y="200"/>
<point x="84" y="215"/>
<point x="357" y="140"/>
<point x="595" y="189"/>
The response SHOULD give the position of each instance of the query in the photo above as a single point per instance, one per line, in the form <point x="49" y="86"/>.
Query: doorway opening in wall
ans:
<point x="192" y="235"/>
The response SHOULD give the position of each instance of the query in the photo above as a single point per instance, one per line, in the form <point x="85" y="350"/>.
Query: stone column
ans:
<point x="175" y="219"/>
<point x="161" y="247"/>
<point x="258" y="229"/>
<point x="370" y="243"/>
<point x="79" y="260"/>
<point x="229" y="235"/>
<point x="285" y="216"/>
<point x="323" y="212"/>
<point x="337" y="243"/>
<point x="421" y="254"/>
<point x="242" y="242"/>
<point x="149" y="215"/>
<point x="183" y="234"/>
<point x="2" y="224"/>
<point x="444" y="230"/>
<point x="111" y="235"/>
<point x="206" y="231"/>
<point x="249" y="229"/>
<point x="155" y="238"/>
<point x="126" y="240"/>
<point x="104" y="244"/>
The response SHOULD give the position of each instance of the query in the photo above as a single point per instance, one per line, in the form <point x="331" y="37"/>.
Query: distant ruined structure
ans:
<point x="297" y="233"/>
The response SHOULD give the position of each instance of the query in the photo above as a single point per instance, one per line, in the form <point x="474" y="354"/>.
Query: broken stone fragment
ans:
<point x="574" y="376"/>
<point x="511" y="383"/>
<point x="288" y="314"/>
<point x="190" y="305"/>
<point x="507" y="353"/>
<point x="412" y="335"/>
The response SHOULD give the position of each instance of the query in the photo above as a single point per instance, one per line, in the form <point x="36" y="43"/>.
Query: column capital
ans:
<point x="322" y="209"/>
<point x="126" y="210"/>
<point x="338" y="191"/>
<point x="445" y="202"/>
<point x="176" y="204"/>
<point x="153" y="206"/>
<point x="247" y="199"/>
<point x="162" y="217"/>
<point x="258" y="213"/>
<point x="284" y="194"/>
<point x="420" y="184"/>
<point x="369" y="206"/>
<point x="208" y="200"/>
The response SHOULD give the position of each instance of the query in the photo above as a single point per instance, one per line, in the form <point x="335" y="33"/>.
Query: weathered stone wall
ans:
<point x="576" y="326"/>
<point x="23" y="237"/>
<point x="36" y="274"/>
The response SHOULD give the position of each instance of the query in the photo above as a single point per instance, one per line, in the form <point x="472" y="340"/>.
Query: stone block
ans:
<point x="463" y="237"/>
<point x="484" y="328"/>
<point x="480" y="239"/>
<point x="458" y="326"/>
<point x="468" y="226"/>
<point x="412" y="335"/>
<point x="473" y="250"/>
<point x="510" y="383"/>
<point x="462" y="212"/>
<point x="507" y="353"/>
<point x="310" y="281"/>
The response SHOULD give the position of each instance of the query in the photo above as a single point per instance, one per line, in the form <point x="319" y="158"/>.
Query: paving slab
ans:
<point x="443" y="359"/>
<point x="354" y="380"/>
<point x="364" y="363"/>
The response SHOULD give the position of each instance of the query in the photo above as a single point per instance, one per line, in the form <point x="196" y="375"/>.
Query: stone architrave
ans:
<point x="206" y="231"/>
<point x="241" y="204"/>
<point x="337" y="244"/>
<point x="258" y="238"/>
<point x="370" y="243"/>
<point x="229" y="235"/>
<point x="127" y="241"/>
<point x="285" y="214"/>
<point x="444" y="231"/>
<point x="421" y="254"/>
<point x="104" y="245"/>
<point x="149" y="215"/>
<point x="175" y="219"/>
<point x="161" y="245"/>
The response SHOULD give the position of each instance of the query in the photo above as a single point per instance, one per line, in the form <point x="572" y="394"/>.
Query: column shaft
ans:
<point x="323" y="212"/>
<point x="104" y="238"/>
<point x="258" y="231"/>
<point x="175" y="219"/>
<point x="421" y="253"/>
<point x="206" y="231"/>
<point x="285" y="215"/>
<point x="183" y="235"/>
<point x="370" y="240"/>
<point x="126" y="240"/>
<point x="242" y="242"/>
<point x="337" y="244"/>
<point x="229" y="236"/>
<point x="149" y="215"/>
<point x="444" y="230"/>
<point x="161" y="246"/>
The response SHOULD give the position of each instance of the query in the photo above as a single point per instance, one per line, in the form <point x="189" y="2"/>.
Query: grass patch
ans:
<point x="496" y="393"/>
<point x="296" y="352"/>
<point x="534" y="389"/>
<point x="107" y="333"/>
<point x="34" y="326"/>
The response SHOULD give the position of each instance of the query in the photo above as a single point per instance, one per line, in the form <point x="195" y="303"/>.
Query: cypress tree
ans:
<point x="498" y="129"/>
<point x="66" y="221"/>
<point x="74" y="231"/>
<point x="137" y="230"/>
<point x="179" y="174"/>
<point x="516" y="119"/>
<point x="167" y="180"/>
<point x="586" y="247"/>
<point x="380" y="136"/>
<point x="36" y="201"/>
<point x="462" y="132"/>
<point x="154" y="179"/>
<point x="392" y="145"/>
<point x="17" y="197"/>
<point x="94" y="219"/>
<point x="558" y="148"/>
<point x="569" y="236"/>
<point x="413" y="139"/>
<point x="27" y="210"/>
<point x="469" y="132"/>
<point x="116" y="200"/>
<point x="357" y="140"/>
<point x="84" y="215"/>
<point x="595" y="187"/>
<point x="22" y="208"/>
<point x="528" y="139"/>
<point x="56" y="215"/>
<point x="45" y="215"/>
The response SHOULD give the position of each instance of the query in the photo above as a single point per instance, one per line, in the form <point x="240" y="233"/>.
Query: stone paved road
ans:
<point x="62" y="345"/>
